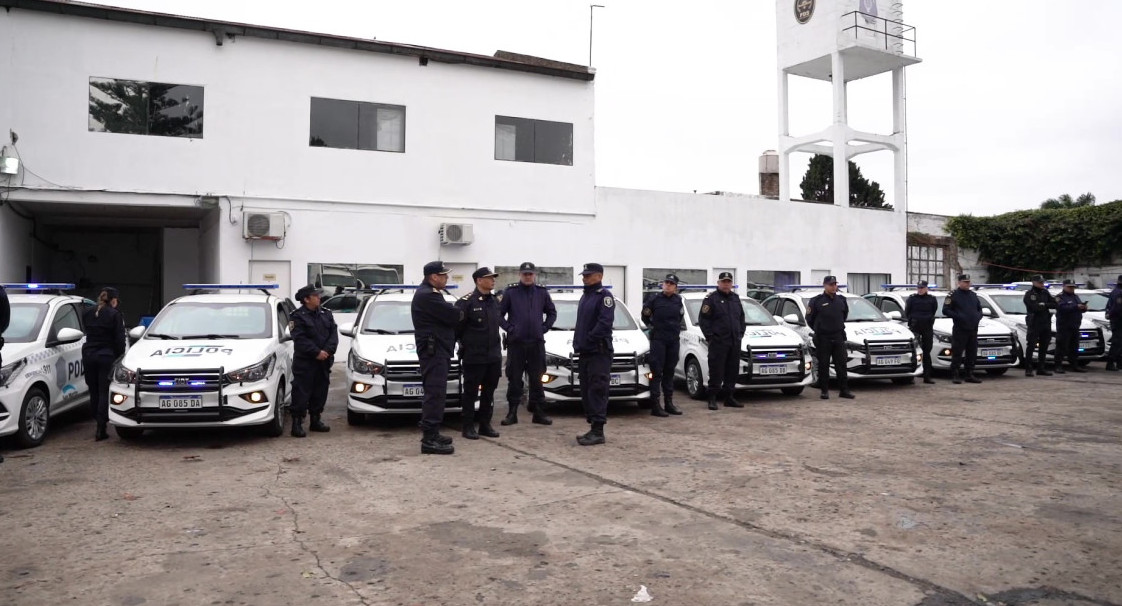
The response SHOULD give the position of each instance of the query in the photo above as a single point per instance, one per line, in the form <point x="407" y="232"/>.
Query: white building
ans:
<point x="146" y="143"/>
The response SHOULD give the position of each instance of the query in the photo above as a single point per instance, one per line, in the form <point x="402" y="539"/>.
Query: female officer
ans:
<point x="105" y="342"/>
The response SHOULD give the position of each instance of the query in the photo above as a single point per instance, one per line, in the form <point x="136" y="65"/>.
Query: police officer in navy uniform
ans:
<point x="1038" y="320"/>
<point x="663" y="312"/>
<point x="435" y="321"/>
<point x="1069" y="316"/>
<point x="5" y="319"/>
<point x="826" y="315"/>
<point x="315" y="338"/>
<point x="1114" y="316"/>
<point x="721" y="320"/>
<point x="920" y="310"/>
<point x="105" y="342"/>
<point x="526" y="313"/>
<point x="962" y="306"/>
<point x="592" y="342"/>
<point x="481" y="354"/>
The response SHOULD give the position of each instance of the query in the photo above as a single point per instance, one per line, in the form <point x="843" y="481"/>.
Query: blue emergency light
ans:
<point x="30" y="286"/>
<point x="977" y="286"/>
<point x="701" y="286"/>
<point x="896" y="286"/>
<point x="401" y="287"/>
<point x="809" y="286"/>
<point x="231" y="286"/>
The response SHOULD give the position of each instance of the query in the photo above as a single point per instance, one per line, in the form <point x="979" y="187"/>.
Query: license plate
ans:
<point x="771" y="369"/>
<point x="180" y="402"/>
<point x="990" y="352"/>
<point x="887" y="361"/>
<point x="617" y="380"/>
<point x="413" y="391"/>
<point x="1088" y="344"/>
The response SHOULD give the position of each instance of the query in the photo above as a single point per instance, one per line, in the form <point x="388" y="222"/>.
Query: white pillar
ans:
<point x="784" y="131"/>
<point x="840" y="130"/>
<point x="900" y="130"/>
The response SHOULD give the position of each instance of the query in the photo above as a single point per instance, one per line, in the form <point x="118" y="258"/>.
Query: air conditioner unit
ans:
<point x="263" y="226"/>
<point x="456" y="233"/>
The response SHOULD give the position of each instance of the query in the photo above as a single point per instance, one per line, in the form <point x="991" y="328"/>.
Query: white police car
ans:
<point x="218" y="359"/>
<point x="1006" y="305"/>
<point x="383" y="372"/>
<point x="998" y="346"/>
<point x="1096" y="301"/>
<point x="630" y="372"/>
<point x="878" y="347"/>
<point x="42" y="373"/>
<point x="780" y="357"/>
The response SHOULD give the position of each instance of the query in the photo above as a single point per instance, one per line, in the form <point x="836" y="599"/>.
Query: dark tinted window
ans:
<point x="538" y="141"/>
<point x="357" y="125"/>
<point x="145" y="108"/>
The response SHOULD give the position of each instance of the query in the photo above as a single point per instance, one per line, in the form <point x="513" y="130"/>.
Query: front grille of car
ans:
<point x="905" y="348"/>
<point x="773" y="355"/>
<point x="208" y="380"/>
<point x="410" y="370"/>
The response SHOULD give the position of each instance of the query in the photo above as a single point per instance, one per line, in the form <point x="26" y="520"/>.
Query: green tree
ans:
<point x="818" y="184"/>
<point x="143" y="108"/>
<point x="1066" y="201"/>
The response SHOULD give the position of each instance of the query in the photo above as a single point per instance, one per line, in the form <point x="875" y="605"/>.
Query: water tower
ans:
<point x="840" y="41"/>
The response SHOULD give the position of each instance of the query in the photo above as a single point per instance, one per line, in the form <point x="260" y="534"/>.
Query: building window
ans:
<point x="357" y="125"/>
<point x="653" y="277"/>
<point x="928" y="263"/>
<point x="772" y="279"/>
<point x="545" y="276"/>
<point x="145" y="108"/>
<point x="863" y="284"/>
<point x="538" y="141"/>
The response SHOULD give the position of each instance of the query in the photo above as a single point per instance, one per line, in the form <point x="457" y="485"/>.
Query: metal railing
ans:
<point x="894" y="35"/>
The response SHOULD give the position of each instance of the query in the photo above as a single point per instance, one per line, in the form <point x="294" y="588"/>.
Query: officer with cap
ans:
<point x="1038" y="320"/>
<point x="964" y="308"/>
<point x="920" y="310"/>
<point x="592" y="342"/>
<point x="1114" y="316"/>
<point x="826" y="315"/>
<point x="721" y="320"/>
<point x="526" y="313"/>
<point x="435" y="322"/>
<point x="1069" y="316"/>
<point x="314" y="340"/>
<point x="663" y="312"/>
<point x="481" y="354"/>
<point x="105" y="342"/>
<point x="5" y="319"/>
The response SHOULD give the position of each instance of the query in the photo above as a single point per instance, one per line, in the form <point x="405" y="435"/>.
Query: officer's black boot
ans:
<point x="712" y="401"/>
<point x="845" y="393"/>
<point x="540" y="417"/>
<point x="1042" y="369"/>
<point x="730" y="401"/>
<point x="101" y="433"/>
<point x="1111" y="365"/>
<point x="298" y="427"/>
<point x="431" y="443"/>
<point x="1059" y="369"/>
<point x="927" y="377"/>
<point x="511" y="416"/>
<point x="317" y="424"/>
<point x="956" y="377"/>
<point x="593" y="437"/>
<point x="824" y="387"/>
<point x="656" y="407"/>
<point x="468" y="430"/>
<point x="671" y="407"/>
<point x="1076" y="367"/>
<point x="970" y="378"/>
<point x="1028" y="371"/>
<point x="486" y="430"/>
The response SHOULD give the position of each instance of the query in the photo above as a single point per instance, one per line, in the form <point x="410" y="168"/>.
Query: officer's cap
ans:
<point x="963" y="277"/>
<point x="483" y="272"/>
<point x="671" y="278"/>
<point x="527" y="268"/>
<point x="830" y="280"/>
<point x="1037" y="278"/>
<point x="111" y="292"/>
<point x="305" y="292"/>
<point x="725" y="275"/>
<point x="1119" y="280"/>
<point x="435" y="267"/>
<point x="592" y="268"/>
<point x="922" y="284"/>
<point x="1069" y="282"/>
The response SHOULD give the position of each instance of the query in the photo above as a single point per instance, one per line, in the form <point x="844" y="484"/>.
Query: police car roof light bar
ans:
<point x="401" y="287"/>
<point x="701" y="286"/>
<point x="231" y="286"/>
<point x="59" y="286"/>
<point x="572" y="286"/>
<point x="794" y="287"/>
<point x="977" y="286"/>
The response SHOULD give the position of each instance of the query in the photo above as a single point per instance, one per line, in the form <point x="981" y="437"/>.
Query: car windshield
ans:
<point x="1011" y="304"/>
<point x="1095" y="301"/>
<point x="389" y="318"/>
<point x="861" y="310"/>
<point x="754" y="313"/>
<point x="27" y="319"/>
<point x="212" y="320"/>
<point x="567" y="316"/>
<point x="345" y="303"/>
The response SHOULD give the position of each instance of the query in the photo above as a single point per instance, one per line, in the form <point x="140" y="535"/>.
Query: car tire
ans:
<point x="355" y="419"/>
<point x="793" y="391"/>
<point x="904" y="380"/>
<point x="695" y="380"/>
<point x="34" y="419"/>
<point x="275" y="427"/>
<point x="128" y="433"/>
<point x="996" y="372"/>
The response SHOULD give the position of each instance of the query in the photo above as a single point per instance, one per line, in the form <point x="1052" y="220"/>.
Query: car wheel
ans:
<point x="904" y="380"/>
<point x="354" y="419"/>
<point x="793" y="391"/>
<point x="34" y="419"/>
<point x="996" y="372"/>
<point x="128" y="433"/>
<point x="695" y="381"/>
<point x="275" y="427"/>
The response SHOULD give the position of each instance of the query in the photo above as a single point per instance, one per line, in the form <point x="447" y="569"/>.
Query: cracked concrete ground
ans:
<point x="1008" y="492"/>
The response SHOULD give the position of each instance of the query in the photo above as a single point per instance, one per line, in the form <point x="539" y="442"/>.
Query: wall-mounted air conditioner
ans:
<point x="456" y="233"/>
<point x="262" y="226"/>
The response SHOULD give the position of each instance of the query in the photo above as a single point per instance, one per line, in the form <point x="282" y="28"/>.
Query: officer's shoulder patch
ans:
<point x="646" y="311"/>
<point x="465" y="297"/>
<point x="291" y="324"/>
<point x="705" y="308"/>
<point x="1059" y="298"/>
<point x="948" y="301"/>
<point x="1033" y="297"/>
<point x="609" y="301"/>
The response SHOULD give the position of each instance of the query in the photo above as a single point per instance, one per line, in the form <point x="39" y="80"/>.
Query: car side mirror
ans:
<point x="779" y="319"/>
<point x="66" y="336"/>
<point x="987" y="313"/>
<point x="137" y="333"/>
<point x="792" y="319"/>
<point x="286" y="335"/>
<point x="347" y="330"/>
<point x="894" y="315"/>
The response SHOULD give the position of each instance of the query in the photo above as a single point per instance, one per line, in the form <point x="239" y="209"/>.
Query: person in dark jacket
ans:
<point x="526" y="313"/>
<point x="314" y="340"/>
<point x="592" y="342"/>
<point x="1114" y="316"/>
<point x="721" y="320"/>
<point x="962" y="306"/>
<point x="1038" y="321"/>
<point x="1069" y="317"/>
<point x="826" y="315"/>
<point x="481" y="354"/>
<point x="663" y="312"/>
<point x="105" y="342"/>
<point x="5" y="319"/>
<point x="435" y="321"/>
<point x="919" y="310"/>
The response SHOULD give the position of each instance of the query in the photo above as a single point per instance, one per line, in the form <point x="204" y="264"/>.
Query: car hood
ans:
<point x="1086" y="324"/>
<point x="859" y="332"/>
<point x="14" y="352"/>
<point x="986" y="328"/>
<point x="560" y="342"/>
<point x="382" y="348"/>
<point x="228" y="354"/>
<point x="770" y="336"/>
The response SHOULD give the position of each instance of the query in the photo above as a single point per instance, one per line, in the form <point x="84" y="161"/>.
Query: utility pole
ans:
<point x="591" y="8"/>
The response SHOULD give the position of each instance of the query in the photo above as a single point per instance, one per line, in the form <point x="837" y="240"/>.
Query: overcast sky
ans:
<point x="1016" y="101"/>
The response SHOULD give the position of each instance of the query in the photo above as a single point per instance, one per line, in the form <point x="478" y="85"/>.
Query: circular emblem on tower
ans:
<point x="804" y="10"/>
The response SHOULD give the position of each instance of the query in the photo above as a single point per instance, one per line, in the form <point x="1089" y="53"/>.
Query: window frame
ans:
<point x="147" y="92"/>
<point x="534" y="122"/>
<point x="359" y="105"/>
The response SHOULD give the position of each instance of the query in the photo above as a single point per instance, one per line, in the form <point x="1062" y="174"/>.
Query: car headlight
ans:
<point x="123" y="374"/>
<point x="363" y="366"/>
<point x="555" y="360"/>
<point x="251" y="374"/>
<point x="9" y="371"/>
<point x="942" y="338"/>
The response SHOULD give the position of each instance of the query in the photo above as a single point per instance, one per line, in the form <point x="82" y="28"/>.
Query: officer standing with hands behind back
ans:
<point x="526" y="313"/>
<point x="314" y="340"/>
<point x="481" y="354"/>
<point x="663" y="313"/>
<point x="962" y="306"/>
<point x="592" y="341"/>
<point x="920" y="310"/>
<point x="435" y="321"/>
<point x="1038" y="320"/>
<point x="1069" y="315"/>
<point x="721" y="320"/>
<point x="826" y="315"/>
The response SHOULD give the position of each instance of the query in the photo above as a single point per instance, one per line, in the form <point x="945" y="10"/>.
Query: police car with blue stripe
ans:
<point x="42" y="373"/>
<point x="219" y="357"/>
